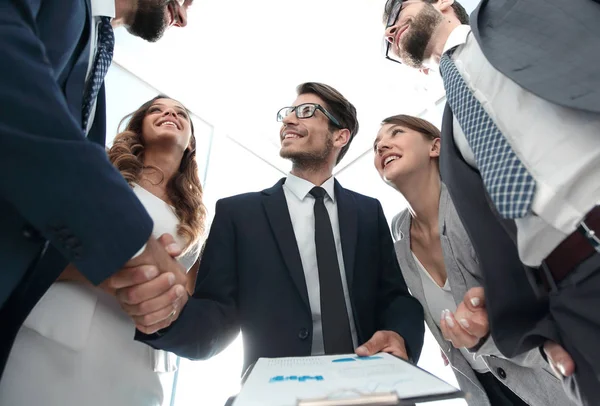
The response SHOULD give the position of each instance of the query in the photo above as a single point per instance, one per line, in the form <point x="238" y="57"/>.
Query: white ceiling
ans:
<point x="238" y="61"/>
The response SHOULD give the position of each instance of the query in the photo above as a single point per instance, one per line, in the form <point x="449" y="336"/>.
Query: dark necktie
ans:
<point x="334" y="315"/>
<point x="102" y="60"/>
<point x="510" y="185"/>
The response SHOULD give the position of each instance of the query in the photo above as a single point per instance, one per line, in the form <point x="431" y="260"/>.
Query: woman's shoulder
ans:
<point x="399" y="224"/>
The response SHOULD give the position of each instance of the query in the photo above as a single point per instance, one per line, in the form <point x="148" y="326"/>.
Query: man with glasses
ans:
<point x="521" y="159"/>
<point x="304" y="267"/>
<point x="61" y="200"/>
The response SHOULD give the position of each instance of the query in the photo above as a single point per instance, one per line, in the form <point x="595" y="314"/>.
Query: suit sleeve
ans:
<point x="62" y="184"/>
<point x="398" y="310"/>
<point x="209" y="321"/>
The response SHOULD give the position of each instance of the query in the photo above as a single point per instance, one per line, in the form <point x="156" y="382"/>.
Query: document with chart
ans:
<point x="340" y="380"/>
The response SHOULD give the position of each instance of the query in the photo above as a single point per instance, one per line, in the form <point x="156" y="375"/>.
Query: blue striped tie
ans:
<point x="506" y="179"/>
<point x="102" y="60"/>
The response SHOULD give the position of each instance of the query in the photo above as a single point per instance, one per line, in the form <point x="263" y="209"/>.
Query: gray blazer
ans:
<point x="528" y="375"/>
<point x="549" y="47"/>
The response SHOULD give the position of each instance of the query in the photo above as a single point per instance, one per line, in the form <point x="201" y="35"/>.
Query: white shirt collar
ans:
<point x="457" y="37"/>
<point x="301" y="187"/>
<point x="104" y="8"/>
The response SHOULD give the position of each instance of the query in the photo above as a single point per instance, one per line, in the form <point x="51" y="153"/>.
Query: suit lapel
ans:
<point x="279" y="218"/>
<point x="348" y="219"/>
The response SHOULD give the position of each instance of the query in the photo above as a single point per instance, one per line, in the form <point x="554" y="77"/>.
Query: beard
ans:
<point x="414" y="43"/>
<point x="312" y="160"/>
<point x="149" y="21"/>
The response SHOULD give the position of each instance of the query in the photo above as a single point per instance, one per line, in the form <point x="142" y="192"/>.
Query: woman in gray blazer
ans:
<point x="440" y="267"/>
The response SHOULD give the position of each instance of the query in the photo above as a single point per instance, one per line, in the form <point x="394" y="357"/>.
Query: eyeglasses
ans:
<point x="305" y="110"/>
<point x="395" y="7"/>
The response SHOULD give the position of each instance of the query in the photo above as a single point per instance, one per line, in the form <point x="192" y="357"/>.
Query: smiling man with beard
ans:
<point x="61" y="200"/>
<point x="153" y="17"/>
<point x="520" y="157"/>
<point x="304" y="267"/>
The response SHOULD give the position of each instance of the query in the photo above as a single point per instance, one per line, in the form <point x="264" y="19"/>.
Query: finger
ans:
<point x="559" y="358"/>
<point x="169" y="298"/>
<point x="169" y="244"/>
<point x="444" y="327"/>
<point x="474" y="299"/>
<point x="166" y="313"/>
<point x="458" y="335"/>
<point x="140" y="293"/>
<point x="477" y="325"/>
<point x="373" y="346"/>
<point x="127" y="277"/>
<point x="155" y="327"/>
<point x="397" y="350"/>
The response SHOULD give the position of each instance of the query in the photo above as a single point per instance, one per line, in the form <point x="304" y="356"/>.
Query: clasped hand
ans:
<point x="469" y="324"/>
<point x="151" y="287"/>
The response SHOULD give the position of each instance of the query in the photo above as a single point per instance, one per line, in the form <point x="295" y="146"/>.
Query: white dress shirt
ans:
<point x="560" y="148"/>
<point x="439" y="299"/>
<point x="100" y="8"/>
<point x="301" y="207"/>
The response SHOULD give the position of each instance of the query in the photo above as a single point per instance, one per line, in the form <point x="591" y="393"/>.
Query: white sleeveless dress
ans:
<point x="77" y="346"/>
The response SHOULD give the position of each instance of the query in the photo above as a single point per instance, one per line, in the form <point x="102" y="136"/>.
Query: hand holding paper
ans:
<point x="384" y="341"/>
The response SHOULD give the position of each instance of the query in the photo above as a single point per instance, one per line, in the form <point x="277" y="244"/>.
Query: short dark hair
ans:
<point x="338" y="106"/>
<point x="459" y="10"/>
<point x="414" y="123"/>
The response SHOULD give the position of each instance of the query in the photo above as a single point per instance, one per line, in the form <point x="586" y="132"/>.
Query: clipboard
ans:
<point x="353" y="397"/>
<point x="378" y="399"/>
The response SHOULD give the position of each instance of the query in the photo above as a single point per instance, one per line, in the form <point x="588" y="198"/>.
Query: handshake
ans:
<point x="151" y="287"/>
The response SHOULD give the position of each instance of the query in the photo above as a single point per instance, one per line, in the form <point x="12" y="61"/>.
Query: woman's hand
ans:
<point x="469" y="324"/>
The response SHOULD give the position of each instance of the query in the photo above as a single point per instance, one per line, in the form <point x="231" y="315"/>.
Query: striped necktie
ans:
<point x="506" y="179"/>
<point x="102" y="60"/>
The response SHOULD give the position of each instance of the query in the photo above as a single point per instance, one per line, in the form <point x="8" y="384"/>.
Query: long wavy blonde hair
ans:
<point x="183" y="190"/>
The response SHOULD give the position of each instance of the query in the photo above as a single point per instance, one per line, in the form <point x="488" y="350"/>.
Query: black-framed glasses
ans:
<point x="305" y="110"/>
<point x="395" y="7"/>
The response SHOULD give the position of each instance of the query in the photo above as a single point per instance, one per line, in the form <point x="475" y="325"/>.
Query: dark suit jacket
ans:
<point x="516" y="313"/>
<point x="61" y="200"/>
<point x="251" y="277"/>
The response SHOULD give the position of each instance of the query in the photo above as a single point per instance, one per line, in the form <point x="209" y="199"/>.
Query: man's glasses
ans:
<point x="395" y="7"/>
<point x="305" y="110"/>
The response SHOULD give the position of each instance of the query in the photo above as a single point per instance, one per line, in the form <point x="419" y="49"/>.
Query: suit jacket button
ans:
<point x="303" y="334"/>
<point x="501" y="373"/>
<point x="30" y="233"/>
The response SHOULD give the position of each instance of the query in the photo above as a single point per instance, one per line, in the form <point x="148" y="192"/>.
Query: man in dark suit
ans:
<point x="61" y="201"/>
<point x="305" y="267"/>
<point x="521" y="159"/>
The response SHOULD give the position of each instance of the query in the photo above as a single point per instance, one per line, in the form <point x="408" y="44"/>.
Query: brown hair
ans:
<point x="459" y="10"/>
<point x="414" y="123"/>
<point x="184" y="189"/>
<point x="338" y="106"/>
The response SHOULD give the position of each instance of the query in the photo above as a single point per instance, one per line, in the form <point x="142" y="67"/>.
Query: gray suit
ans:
<point x="548" y="47"/>
<point x="528" y="375"/>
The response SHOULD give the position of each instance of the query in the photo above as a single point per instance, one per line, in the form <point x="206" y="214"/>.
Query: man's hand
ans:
<point x="559" y="359"/>
<point x="469" y="324"/>
<point x="384" y="341"/>
<point x="151" y="287"/>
